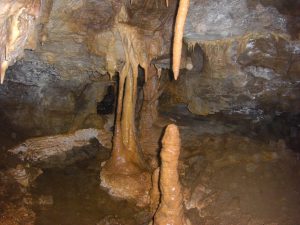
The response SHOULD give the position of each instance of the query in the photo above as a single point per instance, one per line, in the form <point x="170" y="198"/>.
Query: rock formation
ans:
<point x="170" y="210"/>
<point x="178" y="35"/>
<point x="250" y="53"/>
<point x="125" y="174"/>
<point x="61" y="150"/>
<point x="17" y="20"/>
<point x="126" y="162"/>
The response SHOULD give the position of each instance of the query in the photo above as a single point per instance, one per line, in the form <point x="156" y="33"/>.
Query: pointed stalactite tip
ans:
<point x="176" y="74"/>
<point x="4" y="66"/>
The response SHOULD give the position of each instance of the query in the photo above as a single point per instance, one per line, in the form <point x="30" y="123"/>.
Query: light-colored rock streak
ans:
<point x="178" y="34"/>
<point x="41" y="149"/>
<point x="16" y="24"/>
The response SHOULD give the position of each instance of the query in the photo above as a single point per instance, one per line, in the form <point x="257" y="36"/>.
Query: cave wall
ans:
<point x="56" y="87"/>
<point x="250" y="58"/>
<point x="35" y="99"/>
<point x="240" y="56"/>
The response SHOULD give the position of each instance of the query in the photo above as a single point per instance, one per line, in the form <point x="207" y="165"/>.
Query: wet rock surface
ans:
<point x="228" y="177"/>
<point x="231" y="178"/>
<point x="77" y="198"/>
<point x="14" y="210"/>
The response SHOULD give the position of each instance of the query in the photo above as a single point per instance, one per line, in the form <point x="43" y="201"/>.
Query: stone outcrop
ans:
<point x="249" y="56"/>
<point x="61" y="150"/>
<point x="77" y="44"/>
<point x="37" y="100"/>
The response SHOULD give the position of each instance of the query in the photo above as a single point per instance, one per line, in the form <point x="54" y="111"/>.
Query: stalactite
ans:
<point x="178" y="34"/>
<point x="170" y="210"/>
<point x="4" y="66"/>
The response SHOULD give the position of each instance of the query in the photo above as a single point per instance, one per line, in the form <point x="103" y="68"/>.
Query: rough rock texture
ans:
<point x="57" y="87"/>
<point x="76" y="43"/>
<point x="37" y="100"/>
<point x="80" y="36"/>
<point x="225" y="18"/>
<point x="69" y="32"/>
<point x="61" y="150"/>
<point x="250" y="56"/>
<point x="170" y="210"/>
<point x="25" y="176"/>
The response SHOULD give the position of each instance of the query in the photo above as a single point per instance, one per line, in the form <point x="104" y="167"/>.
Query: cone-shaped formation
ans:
<point x="170" y="210"/>
<point x="178" y="34"/>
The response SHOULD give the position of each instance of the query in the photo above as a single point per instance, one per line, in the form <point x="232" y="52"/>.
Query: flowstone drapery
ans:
<point x="125" y="174"/>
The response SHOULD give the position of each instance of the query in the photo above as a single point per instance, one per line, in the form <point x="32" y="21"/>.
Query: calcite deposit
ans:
<point x="170" y="210"/>
<point x="17" y="21"/>
<point x="178" y="34"/>
<point x="60" y="150"/>
<point x="125" y="174"/>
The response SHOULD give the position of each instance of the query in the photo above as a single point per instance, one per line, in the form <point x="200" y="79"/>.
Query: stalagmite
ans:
<point x="178" y="34"/>
<point x="170" y="210"/>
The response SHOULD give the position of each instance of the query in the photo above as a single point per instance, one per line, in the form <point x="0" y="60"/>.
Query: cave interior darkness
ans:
<point x="150" y="112"/>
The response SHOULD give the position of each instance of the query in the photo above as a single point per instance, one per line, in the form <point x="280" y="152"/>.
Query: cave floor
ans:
<point x="230" y="176"/>
<point x="235" y="175"/>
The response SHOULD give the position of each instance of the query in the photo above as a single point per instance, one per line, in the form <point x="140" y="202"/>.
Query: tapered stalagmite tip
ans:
<point x="171" y="136"/>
